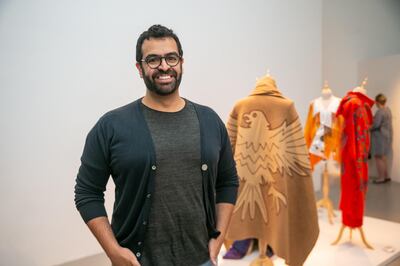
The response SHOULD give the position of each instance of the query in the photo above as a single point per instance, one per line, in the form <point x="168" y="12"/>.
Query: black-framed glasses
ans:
<point x="154" y="61"/>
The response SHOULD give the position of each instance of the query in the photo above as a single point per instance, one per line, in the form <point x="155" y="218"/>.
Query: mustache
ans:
<point x="170" y="72"/>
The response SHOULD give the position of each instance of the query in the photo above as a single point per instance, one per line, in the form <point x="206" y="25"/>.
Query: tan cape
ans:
<point x="276" y="197"/>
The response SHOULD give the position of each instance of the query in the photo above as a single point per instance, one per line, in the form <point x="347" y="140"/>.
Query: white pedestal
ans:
<point x="379" y="233"/>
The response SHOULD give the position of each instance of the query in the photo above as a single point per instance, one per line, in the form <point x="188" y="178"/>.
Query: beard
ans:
<point x="163" y="89"/>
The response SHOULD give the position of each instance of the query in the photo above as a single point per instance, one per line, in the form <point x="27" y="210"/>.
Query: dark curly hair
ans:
<point x="380" y="98"/>
<point x="156" y="31"/>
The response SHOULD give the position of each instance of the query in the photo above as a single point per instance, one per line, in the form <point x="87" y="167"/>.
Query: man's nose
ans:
<point x="164" y="66"/>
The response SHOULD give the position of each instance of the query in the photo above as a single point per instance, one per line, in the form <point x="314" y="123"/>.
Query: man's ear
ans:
<point x="182" y="61"/>
<point x="139" y="68"/>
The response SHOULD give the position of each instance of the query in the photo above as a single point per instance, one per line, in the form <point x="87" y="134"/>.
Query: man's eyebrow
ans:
<point x="152" y="55"/>
<point x="170" y="53"/>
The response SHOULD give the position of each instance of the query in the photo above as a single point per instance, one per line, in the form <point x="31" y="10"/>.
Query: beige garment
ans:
<point x="276" y="197"/>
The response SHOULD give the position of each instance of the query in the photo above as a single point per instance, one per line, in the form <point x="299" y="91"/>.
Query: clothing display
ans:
<point x="382" y="132"/>
<point x="322" y="129"/>
<point x="355" y="110"/>
<point x="121" y="145"/>
<point x="276" y="197"/>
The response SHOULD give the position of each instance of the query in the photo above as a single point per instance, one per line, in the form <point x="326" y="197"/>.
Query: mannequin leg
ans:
<point x="262" y="248"/>
<point x="363" y="238"/>
<point x="339" y="236"/>
<point x="262" y="259"/>
<point x="325" y="201"/>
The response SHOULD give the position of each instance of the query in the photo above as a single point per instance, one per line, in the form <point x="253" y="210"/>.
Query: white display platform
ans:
<point x="379" y="233"/>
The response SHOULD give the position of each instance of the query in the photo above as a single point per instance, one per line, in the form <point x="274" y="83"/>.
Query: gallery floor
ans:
<point x="381" y="227"/>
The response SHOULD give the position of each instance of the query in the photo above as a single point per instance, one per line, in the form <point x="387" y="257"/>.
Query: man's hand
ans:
<point x="123" y="257"/>
<point x="224" y="212"/>
<point x="214" y="246"/>
<point x="118" y="255"/>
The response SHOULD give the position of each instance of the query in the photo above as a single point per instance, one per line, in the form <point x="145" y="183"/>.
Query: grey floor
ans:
<point x="383" y="202"/>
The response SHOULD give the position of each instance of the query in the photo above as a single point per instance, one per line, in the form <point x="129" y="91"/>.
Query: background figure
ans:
<point x="382" y="137"/>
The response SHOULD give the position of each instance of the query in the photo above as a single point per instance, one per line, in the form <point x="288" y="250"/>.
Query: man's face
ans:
<point x="164" y="79"/>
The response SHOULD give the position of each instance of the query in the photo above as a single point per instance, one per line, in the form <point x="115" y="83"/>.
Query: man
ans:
<point x="171" y="162"/>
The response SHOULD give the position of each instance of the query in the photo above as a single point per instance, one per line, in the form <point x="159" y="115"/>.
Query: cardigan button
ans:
<point x="138" y="254"/>
<point x="148" y="195"/>
<point x="139" y="243"/>
<point x="153" y="167"/>
<point x="204" y="167"/>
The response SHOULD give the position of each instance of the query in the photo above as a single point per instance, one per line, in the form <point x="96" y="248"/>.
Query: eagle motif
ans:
<point x="260" y="152"/>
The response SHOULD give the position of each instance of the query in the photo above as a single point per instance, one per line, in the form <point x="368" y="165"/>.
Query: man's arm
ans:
<point x="224" y="213"/>
<point x="226" y="192"/>
<point x="118" y="255"/>
<point x="90" y="185"/>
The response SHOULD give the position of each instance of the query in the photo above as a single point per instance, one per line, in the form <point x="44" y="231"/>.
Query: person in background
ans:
<point x="381" y="138"/>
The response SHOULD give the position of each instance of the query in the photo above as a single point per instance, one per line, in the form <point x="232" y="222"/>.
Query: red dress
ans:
<point x="355" y="111"/>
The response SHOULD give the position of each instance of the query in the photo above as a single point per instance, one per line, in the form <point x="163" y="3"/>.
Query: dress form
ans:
<point x="325" y="202"/>
<point x="362" y="88"/>
<point x="326" y="94"/>
<point x="266" y="123"/>
<point x="359" y="89"/>
<point x="263" y="259"/>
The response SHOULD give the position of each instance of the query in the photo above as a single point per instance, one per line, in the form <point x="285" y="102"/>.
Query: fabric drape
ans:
<point x="276" y="197"/>
<point x="355" y="110"/>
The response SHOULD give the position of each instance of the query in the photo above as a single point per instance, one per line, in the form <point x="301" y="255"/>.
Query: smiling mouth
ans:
<point x="164" y="78"/>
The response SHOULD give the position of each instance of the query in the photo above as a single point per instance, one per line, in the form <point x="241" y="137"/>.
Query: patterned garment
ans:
<point x="322" y="130"/>
<point x="276" y="197"/>
<point x="355" y="110"/>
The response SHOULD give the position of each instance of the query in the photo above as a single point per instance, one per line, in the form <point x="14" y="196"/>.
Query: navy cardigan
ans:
<point x="120" y="145"/>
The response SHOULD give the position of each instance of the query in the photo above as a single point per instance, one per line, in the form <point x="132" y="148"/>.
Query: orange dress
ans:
<point x="322" y="130"/>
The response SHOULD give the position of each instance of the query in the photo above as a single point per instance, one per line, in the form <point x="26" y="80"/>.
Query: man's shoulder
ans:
<point x="122" y="110"/>
<point x="203" y="109"/>
<point x="119" y="114"/>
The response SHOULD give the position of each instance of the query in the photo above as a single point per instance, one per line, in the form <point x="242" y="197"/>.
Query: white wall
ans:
<point x="355" y="30"/>
<point x="64" y="63"/>
<point x="384" y="77"/>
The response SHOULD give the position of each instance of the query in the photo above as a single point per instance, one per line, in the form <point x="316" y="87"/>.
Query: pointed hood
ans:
<point x="266" y="86"/>
<point x="362" y="98"/>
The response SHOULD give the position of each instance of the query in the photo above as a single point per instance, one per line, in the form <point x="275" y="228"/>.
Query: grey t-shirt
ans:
<point x="177" y="232"/>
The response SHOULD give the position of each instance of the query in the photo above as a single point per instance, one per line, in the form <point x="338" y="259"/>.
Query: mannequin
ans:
<point x="322" y="134"/>
<point x="326" y="94"/>
<point x="362" y="88"/>
<point x="240" y="248"/>
<point x="355" y="109"/>
<point x="273" y="167"/>
<point x="321" y="130"/>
